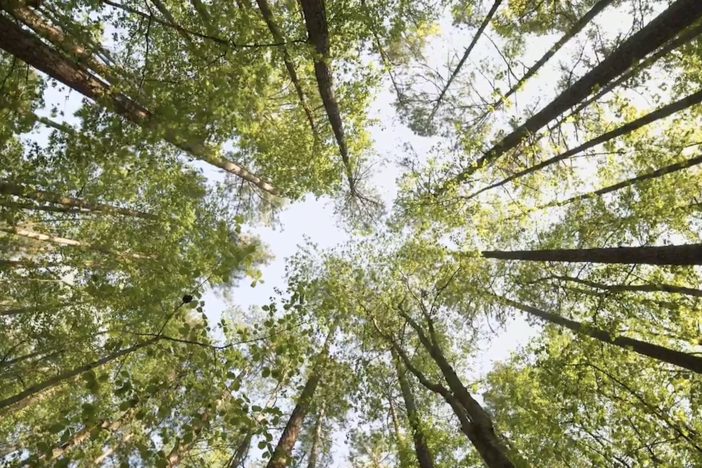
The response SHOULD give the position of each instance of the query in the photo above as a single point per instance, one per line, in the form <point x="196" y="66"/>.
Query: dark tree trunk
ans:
<point x="688" y="254"/>
<point x="659" y="114"/>
<point x="660" y="353"/>
<point x="663" y="28"/>
<point x="669" y="288"/>
<point x="424" y="456"/>
<point x="59" y="379"/>
<point x="32" y="51"/>
<point x="280" y="457"/>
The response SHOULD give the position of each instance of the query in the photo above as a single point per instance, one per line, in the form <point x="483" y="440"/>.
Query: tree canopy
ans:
<point x="546" y="199"/>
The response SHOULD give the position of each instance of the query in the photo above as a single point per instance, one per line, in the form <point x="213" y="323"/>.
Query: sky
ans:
<point x="314" y="219"/>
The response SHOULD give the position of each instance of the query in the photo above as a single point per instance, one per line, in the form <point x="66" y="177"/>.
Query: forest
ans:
<point x="351" y="233"/>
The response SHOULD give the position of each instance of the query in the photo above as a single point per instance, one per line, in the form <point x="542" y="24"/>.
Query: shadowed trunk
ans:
<point x="318" y="32"/>
<point x="659" y="114"/>
<point x="287" y="440"/>
<point x="656" y="33"/>
<point x="687" y="254"/>
<point x="669" y="288"/>
<point x="421" y="449"/>
<point x="53" y="382"/>
<point x="312" y="463"/>
<point x="660" y="353"/>
<point x="32" y="51"/>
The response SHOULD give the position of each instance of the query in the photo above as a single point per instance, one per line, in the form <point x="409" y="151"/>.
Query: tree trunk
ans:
<point x="660" y="353"/>
<point x="24" y="310"/>
<point x="424" y="456"/>
<point x="312" y="463"/>
<point x="667" y="25"/>
<point x="35" y="53"/>
<point x="317" y="29"/>
<point x="281" y="455"/>
<point x="467" y="52"/>
<point x="669" y="288"/>
<point x="596" y="9"/>
<point x="687" y="254"/>
<point x="59" y="379"/>
<point x="180" y="448"/>
<point x="10" y="188"/>
<point x="651" y="117"/>
<point x="59" y="39"/>
<point x="399" y="437"/>
<point x="267" y="14"/>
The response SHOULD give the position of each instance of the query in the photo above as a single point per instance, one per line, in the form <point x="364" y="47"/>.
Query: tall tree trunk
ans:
<point x="314" y="450"/>
<point x="469" y="49"/>
<point x="399" y="436"/>
<point x="667" y="25"/>
<point x="19" y="190"/>
<point x="660" y="353"/>
<point x="53" y="382"/>
<point x="110" y="450"/>
<point x="267" y="14"/>
<point x="69" y="242"/>
<point x="281" y="455"/>
<point x="596" y="9"/>
<point x="181" y="447"/>
<point x="316" y="23"/>
<point x="57" y="37"/>
<point x="32" y="51"/>
<point x="476" y="424"/>
<point x="659" y="287"/>
<point x="687" y="254"/>
<point x="663" y="112"/>
<point x="424" y="456"/>
<point x="24" y="310"/>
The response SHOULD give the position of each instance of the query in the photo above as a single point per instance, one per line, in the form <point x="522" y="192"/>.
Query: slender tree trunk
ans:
<point x="69" y="242"/>
<point x="687" y="254"/>
<point x="399" y="436"/>
<point x="596" y="9"/>
<point x="660" y="353"/>
<point x="312" y="463"/>
<point x="34" y="390"/>
<point x="424" y="456"/>
<point x="35" y="53"/>
<point x="241" y="451"/>
<point x="83" y="434"/>
<point x="663" y="112"/>
<point x="24" y="310"/>
<point x="180" y="448"/>
<point x="292" y="429"/>
<point x="669" y="288"/>
<point x="109" y="451"/>
<point x="317" y="29"/>
<point x="19" y="190"/>
<point x="667" y="25"/>
<point x="59" y="39"/>
<point x="267" y="14"/>
<point x="467" y="52"/>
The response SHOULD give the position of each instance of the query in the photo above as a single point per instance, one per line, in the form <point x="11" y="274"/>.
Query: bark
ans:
<point x="25" y="264"/>
<point x="169" y="17"/>
<point x="109" y="451"/>
<point x="659" y="114"/>
<point x="22" y="191"/>
<point x="686" y="254"/>
<point x="669" y="288"/>
<point x="37" y="54"/>
<point x="180" y="448"/>
<point x="57" y="37"/>
<point x="466" y="54"/>
<point x="679" y="166"/>
<point x="62" y="127"/>
<point x="267" y="14"/>
<point x="80" y="436"/>
<point x="660" y="353"/>
<point x="399" y="437"/>
<point x="317" y="30"/>
<point x="69" y="242"/>
<point x="424" y="455"/>
<point x="24" y="310"/>
<point x="292" y="429"/>
<point x="38" y="389"/>
<point x="312" y="463"/>
<point x="663" y="28"/>
<point x="241" y="451"/>
<point x="679" y="41"/>
<point x="571" y="33"/>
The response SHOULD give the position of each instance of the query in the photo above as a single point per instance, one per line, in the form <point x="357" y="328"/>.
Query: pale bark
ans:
<point x="316" y="439"/>
<point x="22" y="191"/>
